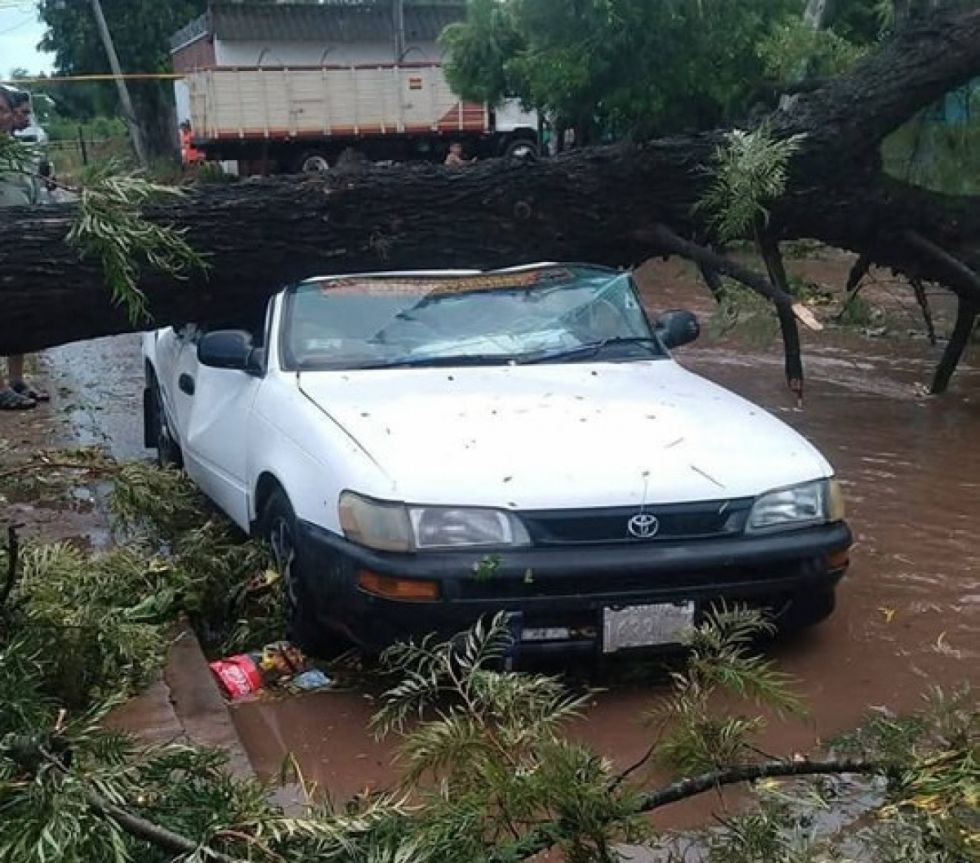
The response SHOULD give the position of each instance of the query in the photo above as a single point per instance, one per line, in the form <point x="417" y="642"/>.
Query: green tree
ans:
<point x="141" y="30"/>
<point x="618" y="65"/>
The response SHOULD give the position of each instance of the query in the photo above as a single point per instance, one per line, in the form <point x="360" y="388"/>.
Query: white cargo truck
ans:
<point x="291" y="87"/>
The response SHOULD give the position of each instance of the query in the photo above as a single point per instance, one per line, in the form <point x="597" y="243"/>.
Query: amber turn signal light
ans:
<point x="839" y="559"/>
<point x="407" y="589"/>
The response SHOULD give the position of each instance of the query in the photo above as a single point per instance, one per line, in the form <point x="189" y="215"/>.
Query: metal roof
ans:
<point x="331" y="21"/>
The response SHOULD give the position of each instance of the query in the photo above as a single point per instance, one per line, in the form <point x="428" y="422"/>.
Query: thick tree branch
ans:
<point x="13" y="548"/>
<point x="156" y="835"/>
<point x="139" y="827"/>
<point x="959" y="276"/>
<point x="666" y="240"/>
<point x="545" y="836"/>
<point x="773" y="259"/>
<point x="966" y="316"/>
<point x="781" y="299"/>
<point x="858" y="271"/>
<point x="922" y="300"/>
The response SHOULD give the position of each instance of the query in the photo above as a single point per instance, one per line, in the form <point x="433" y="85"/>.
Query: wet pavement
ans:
<point x="908" y="614"/>
<point x="100" y="384"/>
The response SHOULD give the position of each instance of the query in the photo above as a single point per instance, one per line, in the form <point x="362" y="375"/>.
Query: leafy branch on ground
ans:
<point x="489" y="769"/>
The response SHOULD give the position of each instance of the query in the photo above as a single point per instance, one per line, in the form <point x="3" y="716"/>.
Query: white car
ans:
<point x="423" y="448"/>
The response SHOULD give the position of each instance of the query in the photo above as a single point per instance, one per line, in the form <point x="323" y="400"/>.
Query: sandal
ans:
<point x="23" y="389"/>
<point x="11" y="400"/>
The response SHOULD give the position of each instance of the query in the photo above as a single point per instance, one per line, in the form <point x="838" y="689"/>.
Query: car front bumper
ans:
<point x="567" y="587"/>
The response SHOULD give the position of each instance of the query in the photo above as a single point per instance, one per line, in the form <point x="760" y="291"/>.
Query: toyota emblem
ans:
<point x="643" y="525"/>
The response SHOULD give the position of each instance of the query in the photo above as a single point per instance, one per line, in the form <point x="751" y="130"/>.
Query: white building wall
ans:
<point x="292" y="54"/>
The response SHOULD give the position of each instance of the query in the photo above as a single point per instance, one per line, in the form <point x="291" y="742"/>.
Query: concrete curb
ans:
<point x="184" y="704"/>
<point x="198" y="704"/>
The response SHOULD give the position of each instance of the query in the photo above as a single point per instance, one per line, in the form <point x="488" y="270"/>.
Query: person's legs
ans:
<point x="10" y="399"/>
<point x="15" y="371"/>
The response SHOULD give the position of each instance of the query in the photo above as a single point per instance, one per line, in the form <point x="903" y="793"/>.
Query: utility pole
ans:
<point x="398" y="25"/>
<point x="127" y="105"/>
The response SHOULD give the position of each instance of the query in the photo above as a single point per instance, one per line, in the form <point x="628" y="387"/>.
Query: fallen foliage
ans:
<point x="487" y="771"/>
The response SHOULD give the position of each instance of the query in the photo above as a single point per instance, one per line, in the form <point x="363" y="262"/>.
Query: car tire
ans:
<point x="805" y="610"/>
<point x="168" y="449"/>
<point x="277" y="527"/>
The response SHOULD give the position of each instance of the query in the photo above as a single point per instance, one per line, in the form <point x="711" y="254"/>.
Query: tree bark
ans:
<point x="601" y="204"/>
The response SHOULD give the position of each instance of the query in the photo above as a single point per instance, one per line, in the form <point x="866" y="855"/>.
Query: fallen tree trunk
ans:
<point x="601" y="204"/>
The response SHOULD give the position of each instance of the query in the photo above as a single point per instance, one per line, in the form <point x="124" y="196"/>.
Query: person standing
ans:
<point x="16" y="190"/>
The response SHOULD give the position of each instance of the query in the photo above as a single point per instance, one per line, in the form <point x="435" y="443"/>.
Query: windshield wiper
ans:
<point x="453" y="360"/>
<point x="591" y="349"/>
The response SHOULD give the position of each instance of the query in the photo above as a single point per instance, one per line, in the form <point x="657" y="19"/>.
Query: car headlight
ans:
<point x="808" y="503"/>
<point x="396" y="527"/>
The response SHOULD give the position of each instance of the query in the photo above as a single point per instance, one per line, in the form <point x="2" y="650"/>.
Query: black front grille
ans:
<point x="700" y="520"/>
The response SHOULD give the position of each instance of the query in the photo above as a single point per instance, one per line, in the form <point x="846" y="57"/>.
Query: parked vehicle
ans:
<point x="422" y="448"/>
<point x="294" y="86"/>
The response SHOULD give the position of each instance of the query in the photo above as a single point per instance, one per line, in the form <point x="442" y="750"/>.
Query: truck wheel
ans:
<point x="521" y="148"/>
<point x="313" y="162"/>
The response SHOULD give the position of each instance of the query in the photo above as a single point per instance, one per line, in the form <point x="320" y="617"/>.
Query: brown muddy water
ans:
<point x="908" y="614"/>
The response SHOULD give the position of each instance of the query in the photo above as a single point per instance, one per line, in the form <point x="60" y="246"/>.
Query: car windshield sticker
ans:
<point x="436" y="286"/>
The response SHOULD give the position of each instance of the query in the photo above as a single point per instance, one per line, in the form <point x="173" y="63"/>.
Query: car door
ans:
<point x="214" y="409"/>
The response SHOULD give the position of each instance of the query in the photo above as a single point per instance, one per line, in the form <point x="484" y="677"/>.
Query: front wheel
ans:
<point x="168" y="449"/>
<point x="278" y="529"/>
<point x="804" y="610"/>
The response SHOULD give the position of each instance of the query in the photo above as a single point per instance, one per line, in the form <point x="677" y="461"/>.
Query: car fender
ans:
<point x="296" y="446"/>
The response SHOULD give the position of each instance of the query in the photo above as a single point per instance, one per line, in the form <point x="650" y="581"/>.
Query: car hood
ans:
<point x="560" y="436"/>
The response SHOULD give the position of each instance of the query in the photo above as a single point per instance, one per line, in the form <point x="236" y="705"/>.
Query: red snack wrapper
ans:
<point x="237" y="676"/>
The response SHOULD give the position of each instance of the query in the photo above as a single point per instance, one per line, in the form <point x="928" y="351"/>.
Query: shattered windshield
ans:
<point x="549" y="314"/>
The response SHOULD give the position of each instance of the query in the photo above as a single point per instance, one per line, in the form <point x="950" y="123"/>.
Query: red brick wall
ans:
<point x="198" y="54"/>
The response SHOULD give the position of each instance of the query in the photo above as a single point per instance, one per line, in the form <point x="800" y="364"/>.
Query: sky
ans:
<point x="20" y="31"/>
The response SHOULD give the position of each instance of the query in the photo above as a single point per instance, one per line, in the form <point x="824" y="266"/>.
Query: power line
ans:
<point x="126" y="76"/>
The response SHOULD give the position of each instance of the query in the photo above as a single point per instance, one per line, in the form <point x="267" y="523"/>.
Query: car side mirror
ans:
<point x="677" y="327"/>
<point x="229" y="349"/>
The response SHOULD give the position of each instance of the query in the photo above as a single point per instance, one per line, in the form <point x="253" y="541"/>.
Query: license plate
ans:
<point x="545" y="633"/>
<point x="645" y="625"/>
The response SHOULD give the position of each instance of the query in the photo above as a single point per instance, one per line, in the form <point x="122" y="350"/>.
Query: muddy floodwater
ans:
<point x="908" y="614"/>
